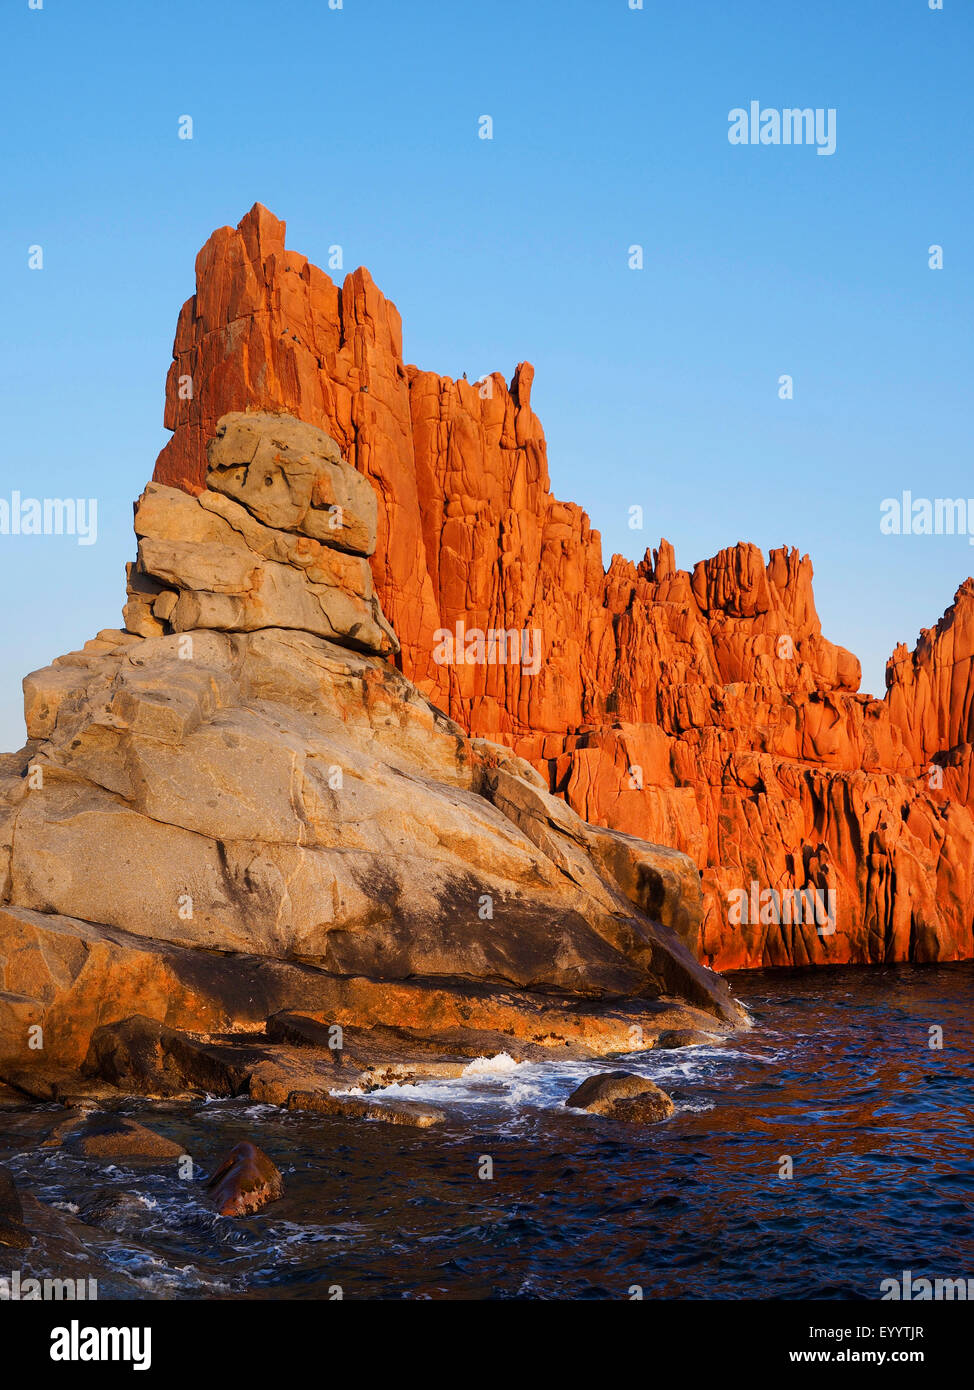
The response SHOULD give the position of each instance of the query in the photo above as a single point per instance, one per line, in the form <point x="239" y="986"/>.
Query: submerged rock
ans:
<point x="245" y="1181"/>
<point x="620" y="1095"/>
<point x="392" y="1112"/>
<point x="684" y="1037"/>
<point x="113" y="1136"/>
<point x="67" y="1124"/>
<point x="122" y="1212"/>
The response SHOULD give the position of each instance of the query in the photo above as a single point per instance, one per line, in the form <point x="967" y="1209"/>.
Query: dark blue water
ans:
<point x="837" y="1074"/>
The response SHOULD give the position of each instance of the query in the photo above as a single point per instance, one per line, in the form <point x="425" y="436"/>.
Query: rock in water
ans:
<point x="684" y="1037"/>
<point x="245" y="1181"/>
<point x="112" y="1137"/>
<point x="700" y="708"/>
<point x="402" y="1112"/>
<point x="121" y="1212"/>
<point x="620" y="1095"/>
<point x="645" y="1109"/>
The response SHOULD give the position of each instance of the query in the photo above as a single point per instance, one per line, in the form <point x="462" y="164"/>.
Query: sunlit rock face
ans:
<point x="700" y="709"/>
<point x="237" y="805"/>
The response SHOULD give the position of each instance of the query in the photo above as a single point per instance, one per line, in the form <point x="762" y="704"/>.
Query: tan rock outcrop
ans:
<point x="245" y="789"/>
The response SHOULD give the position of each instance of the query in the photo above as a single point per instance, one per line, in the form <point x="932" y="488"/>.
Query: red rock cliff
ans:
<point x="703" y="709"/>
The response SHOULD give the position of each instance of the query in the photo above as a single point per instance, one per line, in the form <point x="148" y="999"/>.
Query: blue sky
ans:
<point x="656" y="387"/>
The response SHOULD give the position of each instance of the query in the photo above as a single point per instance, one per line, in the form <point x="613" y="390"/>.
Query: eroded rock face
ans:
<point x="267" y="546"/>
<point x="209" y="802"/>
<point x="239" y="807"/>
<point x="291" y="477"/>
<point x="701" y="709"/>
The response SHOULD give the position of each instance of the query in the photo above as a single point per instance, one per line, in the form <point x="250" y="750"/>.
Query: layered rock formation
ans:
<point x="239" y="806"/>
<point x="702" y="709"/>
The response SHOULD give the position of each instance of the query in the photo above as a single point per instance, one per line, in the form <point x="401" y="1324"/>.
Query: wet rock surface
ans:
<point x="111" y="1137"/>
<point x="393" y="1112"/>
<point x="245" y="1182"/>
<point x="683" y="1037"/>
<point x="579" y="1206"/>
<point x="620" y="1095"/>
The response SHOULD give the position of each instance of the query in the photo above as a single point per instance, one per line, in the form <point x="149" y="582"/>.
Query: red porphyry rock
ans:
<point x="702" y="710"/>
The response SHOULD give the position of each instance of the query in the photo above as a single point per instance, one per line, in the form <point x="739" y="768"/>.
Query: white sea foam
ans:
<point x="157" y="1276"/>
<point x="507" y="1087"/>
<point x="500" y="1082"/>
<point x="491" y="1066"/>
